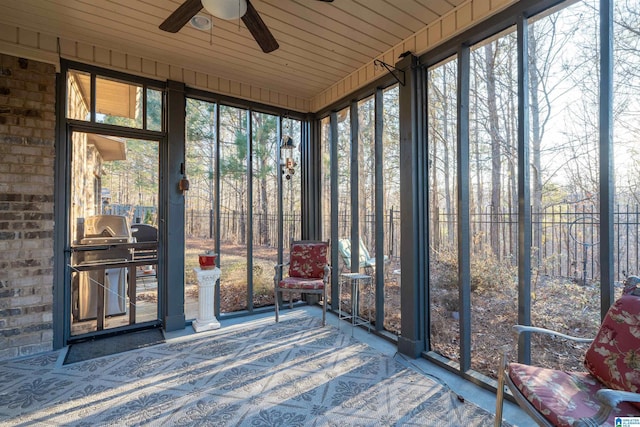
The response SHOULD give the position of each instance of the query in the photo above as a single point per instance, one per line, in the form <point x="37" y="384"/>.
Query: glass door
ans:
<point x="113" y="226"/>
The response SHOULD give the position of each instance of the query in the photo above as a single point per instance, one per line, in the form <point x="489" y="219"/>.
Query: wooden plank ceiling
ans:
<point x="320" y="43"/>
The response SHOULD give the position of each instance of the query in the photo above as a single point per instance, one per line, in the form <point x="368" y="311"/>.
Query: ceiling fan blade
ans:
<point x="181" y="16"/>
<point x="259" y="30"/>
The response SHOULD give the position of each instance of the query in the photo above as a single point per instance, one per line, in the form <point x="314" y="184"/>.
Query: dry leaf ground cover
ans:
<point x="559" y="304"/>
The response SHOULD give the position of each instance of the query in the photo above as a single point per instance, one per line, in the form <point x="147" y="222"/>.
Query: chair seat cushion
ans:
<point x="614" y="355"/>
<point x="562" y="397"/>
<point x="300" y="283"/>
<point x="308" y="259"/>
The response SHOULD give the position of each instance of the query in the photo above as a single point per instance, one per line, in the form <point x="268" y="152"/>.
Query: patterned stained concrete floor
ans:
<point x="294" y="373"/>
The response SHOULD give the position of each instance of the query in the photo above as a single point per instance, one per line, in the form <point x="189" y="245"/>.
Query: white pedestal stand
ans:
<point x="206" y="296"/>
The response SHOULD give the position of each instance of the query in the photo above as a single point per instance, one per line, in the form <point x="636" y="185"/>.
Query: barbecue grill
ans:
<point x="105" y="239"/>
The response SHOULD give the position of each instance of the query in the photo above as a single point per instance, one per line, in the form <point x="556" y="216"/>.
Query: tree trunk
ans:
<point x="496" y="150"/>
<point x="446" y="156"/>
<point x="535" y="142"/>
<point x="433" y="165"/>
<point x="264" y="204"/>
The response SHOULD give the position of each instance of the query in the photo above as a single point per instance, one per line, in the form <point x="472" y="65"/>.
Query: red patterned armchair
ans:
<point x="308" y="273"/>
<point x="608" y="389"/>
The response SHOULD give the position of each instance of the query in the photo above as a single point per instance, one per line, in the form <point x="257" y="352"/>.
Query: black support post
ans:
<point x="62" y="258"/>
<point x="606" y="156"/>
<point x="333" y="141"/>
<point x="379" y="209"/>
<point x="310" y="159"/>
<point x="464" y="232"/>
<point x="412" y="200"/>
<point x="355" y="196"/>
<point x="173" y="225"/>
<point x="524" y="197"/>
<point x="249" y="235"/>
<point x="217" y="208"/>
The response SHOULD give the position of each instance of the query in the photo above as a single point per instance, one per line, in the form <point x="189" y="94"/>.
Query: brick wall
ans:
<point x="27" y="135"/>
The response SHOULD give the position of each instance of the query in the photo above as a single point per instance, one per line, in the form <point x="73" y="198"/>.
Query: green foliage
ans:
<point x="134" y="180"/>
<point x="154" y="109"/>
<point x="148" y="217"/>
<point x="234" y="166"/>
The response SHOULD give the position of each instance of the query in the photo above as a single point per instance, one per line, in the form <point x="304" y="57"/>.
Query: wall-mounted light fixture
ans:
<point x="286" y="157"/>
<point x="201" y="22"/>
<point x="183" y="184"/>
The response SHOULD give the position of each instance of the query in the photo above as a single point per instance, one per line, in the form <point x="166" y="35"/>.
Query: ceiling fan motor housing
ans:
<point x="225" y="9"/>
<point x="229" y="10"/>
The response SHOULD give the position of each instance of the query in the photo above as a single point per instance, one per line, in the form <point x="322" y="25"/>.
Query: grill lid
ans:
<point x="106" y="227"/>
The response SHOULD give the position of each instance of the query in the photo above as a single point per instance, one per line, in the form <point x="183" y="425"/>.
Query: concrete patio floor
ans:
<point x="165" y="376"/>
<point x="471" y="392"/>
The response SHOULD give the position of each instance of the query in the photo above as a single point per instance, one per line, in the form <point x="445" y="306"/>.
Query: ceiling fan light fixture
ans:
<point x="225" y="9"/>
<point x="201" y="22"/>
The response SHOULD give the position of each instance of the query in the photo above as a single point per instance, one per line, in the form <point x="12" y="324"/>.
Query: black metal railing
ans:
<point x="565" y="239"/>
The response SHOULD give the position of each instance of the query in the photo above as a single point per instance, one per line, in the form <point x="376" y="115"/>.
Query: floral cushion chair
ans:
<point x="308" y="273"/>
<point x="607" y="390"/>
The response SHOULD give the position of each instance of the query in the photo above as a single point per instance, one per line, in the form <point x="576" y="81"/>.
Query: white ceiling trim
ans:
<point x="292" y="89"/>
<point x="43" y="47"/>
<point x="31" y="53"/>
<point x="467" y="14"/>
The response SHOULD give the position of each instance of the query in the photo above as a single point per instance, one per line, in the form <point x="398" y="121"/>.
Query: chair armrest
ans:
<point x="277" y="266"/>
<point x="327" y="271"/>
<point x="610" y="399"/>
<point x="278" y="273"/>
<point x="518" y="329"/>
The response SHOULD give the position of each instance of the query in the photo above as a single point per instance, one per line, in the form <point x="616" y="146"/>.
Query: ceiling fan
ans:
<point x="225" y="9"/>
